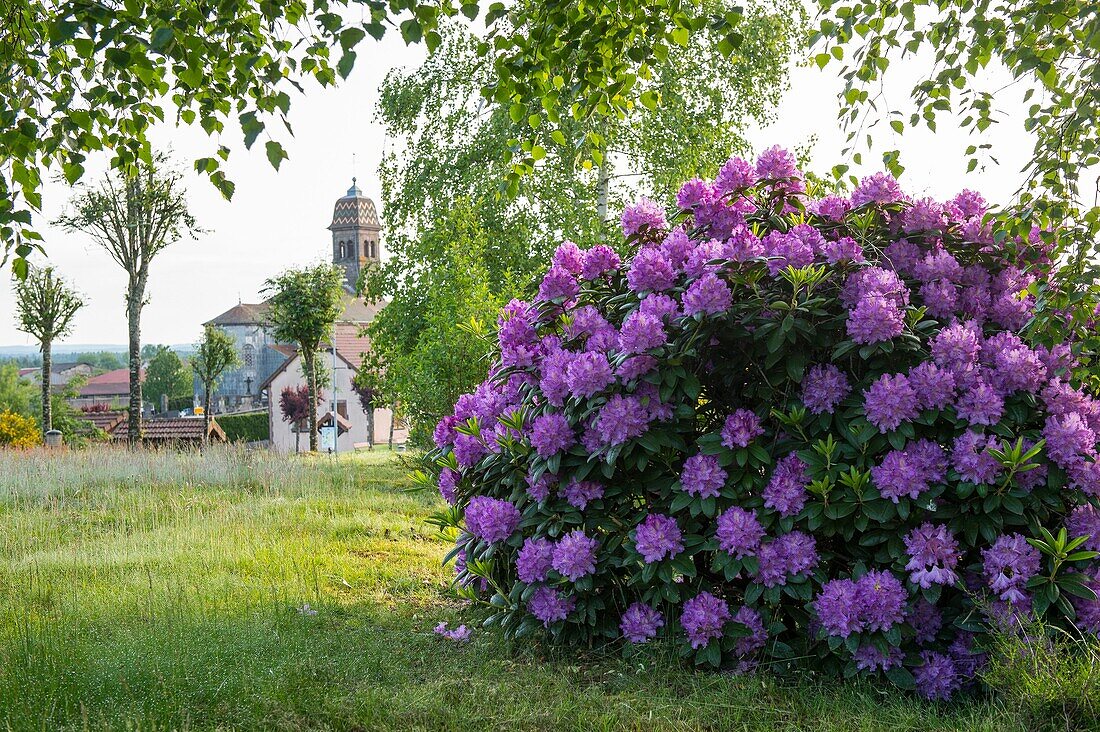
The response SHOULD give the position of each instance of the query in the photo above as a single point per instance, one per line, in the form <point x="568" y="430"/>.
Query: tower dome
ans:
<point x="355" y="230"/>
<point x="354" y="211"/>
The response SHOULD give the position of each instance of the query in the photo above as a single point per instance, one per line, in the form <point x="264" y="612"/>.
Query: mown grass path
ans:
<point x="145" y="591"/>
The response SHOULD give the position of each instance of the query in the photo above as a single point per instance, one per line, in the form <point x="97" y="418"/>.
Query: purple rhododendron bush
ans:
<point x="785" y="431"/>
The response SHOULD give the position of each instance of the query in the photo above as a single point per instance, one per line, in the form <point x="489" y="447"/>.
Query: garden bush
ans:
<point x="825" y="432"/>
<point x="245" y="426"/>
<point x="17" y="431"/>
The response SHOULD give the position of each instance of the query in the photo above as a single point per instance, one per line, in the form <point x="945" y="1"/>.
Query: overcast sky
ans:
<point x="277" y="219"/>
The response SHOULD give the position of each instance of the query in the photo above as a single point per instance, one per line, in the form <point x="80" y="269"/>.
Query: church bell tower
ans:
<point x="355" y="235"/>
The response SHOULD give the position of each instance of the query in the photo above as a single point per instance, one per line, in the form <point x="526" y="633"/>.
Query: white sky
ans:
<point x="277" y="219"/>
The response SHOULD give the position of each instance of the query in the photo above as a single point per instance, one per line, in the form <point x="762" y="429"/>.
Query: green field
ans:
<point x="145" y="591"/>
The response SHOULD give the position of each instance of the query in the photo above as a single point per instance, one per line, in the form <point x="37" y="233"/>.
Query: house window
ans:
<point x="342" y="409"/>
<point x="248" y="355"/>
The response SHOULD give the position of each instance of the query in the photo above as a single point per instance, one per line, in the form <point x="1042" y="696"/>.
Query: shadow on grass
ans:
<point x="354" y="668"/>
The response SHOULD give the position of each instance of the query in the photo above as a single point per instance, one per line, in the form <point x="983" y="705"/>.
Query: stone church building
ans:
<point x="268" y="366"/>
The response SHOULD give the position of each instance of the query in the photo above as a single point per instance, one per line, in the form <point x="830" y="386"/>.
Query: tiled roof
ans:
<point x="357" y="310"/>
<point x="343" y="424"/>
<point x="171" y="429"/>
<point x="29" y="372"/>
<point x="57" y="368"/>
<point x="109" y="383"/>
<point x="105" y="421"/>
<point x="350" y="345"/>
<point x="242" y="314"/>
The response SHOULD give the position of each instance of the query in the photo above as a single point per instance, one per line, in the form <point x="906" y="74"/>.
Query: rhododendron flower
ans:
<point x="622" y="419"/>
<point x="708" y="295"/>
<point x="645" y="215"/>
<point x="786" y="491"/>
<point x="702" y="476"/>
<point x="1008" y="565"/>
<point x="1085" y="521"/>
<point x="911" y="471"/>
<point x="889" y="402"/>
<point x="937" y="677"/>
<point x="703" y="618"/>
<point x="739" y="532"/>
<point x="491" y="519"/>
<point x="823" y="388"/>
<point x="650" y="270"/>
<point x="558" y="284"/>
<point x="598" y="261"/>
<point x="786" y="556"/>
<point x="550" y="434"/>
<point x="535" y="560"/>
<point x="549" y="606"/>
<point x="658" y="537"/>
<point x="580" y="492"/>
<point x="971" y="458"/>
<point x="640" y="623"/>
<point x="574" y="555"/>
<point x="588" y="374"/>
<point x="933" y="555"/>
<point x="741" y="428"/>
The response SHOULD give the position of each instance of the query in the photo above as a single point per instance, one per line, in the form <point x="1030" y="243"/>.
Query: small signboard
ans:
<point x="328" y="438"/>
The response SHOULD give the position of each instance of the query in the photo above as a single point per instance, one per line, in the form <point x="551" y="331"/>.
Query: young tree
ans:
<point x="365" y="385"/>
<point x="165" y="375"/>
<point x="214" y="355"/>
<point x="45" y="306"/>
<point x="294" y="405"/>
<point x="303" y="308"/>
<point x="133" y="217"/>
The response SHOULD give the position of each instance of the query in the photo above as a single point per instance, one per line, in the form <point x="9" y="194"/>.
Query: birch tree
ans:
<point x="133" y="215"/>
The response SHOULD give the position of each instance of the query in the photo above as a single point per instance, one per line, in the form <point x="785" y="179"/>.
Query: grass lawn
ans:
<point x="169" y="591"/>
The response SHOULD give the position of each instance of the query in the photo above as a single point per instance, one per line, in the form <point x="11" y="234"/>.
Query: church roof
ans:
<point x="242" y="314"/>
<point x="355" y="211"/>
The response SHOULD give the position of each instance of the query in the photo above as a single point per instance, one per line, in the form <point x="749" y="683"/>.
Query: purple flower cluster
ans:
<point x="937" y="677"/>
<point x="588" y="374"/>
<point x="911" y="471"/>
<point x="889" y="402"/>
<point x="643" y="217"/>
<point x="640" y="623"/>
<point x="786" y="556"/>
<point x="876" y="601"/>
<point x="535" y="560"/>
<point x="703" y="476"/>
<point x="575" y="555"/>
<point x="708" y="295"/>
<point x="598" y="261"/>
<point x="549" y="605"/>
<point x="491" y="519"/>
<point x="550" y="434"/>
<point x="823" y="388"/>
<point x="1085" y="521"/>
<point x="933" y="555"/>
<point x="650" y="270"/>
<point x="739" y="532"/>
<point x="622" y="418"/>
<point x="741" y="428"/>
<point x="971" y="458"/>
<point x="703" y="617"/>
<point x="580" y="493"/>
<point x="785" y="492"/>
<point x="657" y="537"/>
<point x="1008" y="565"/>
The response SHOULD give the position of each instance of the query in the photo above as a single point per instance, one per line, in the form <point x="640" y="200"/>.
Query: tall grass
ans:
<point x="242" y="590"/>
